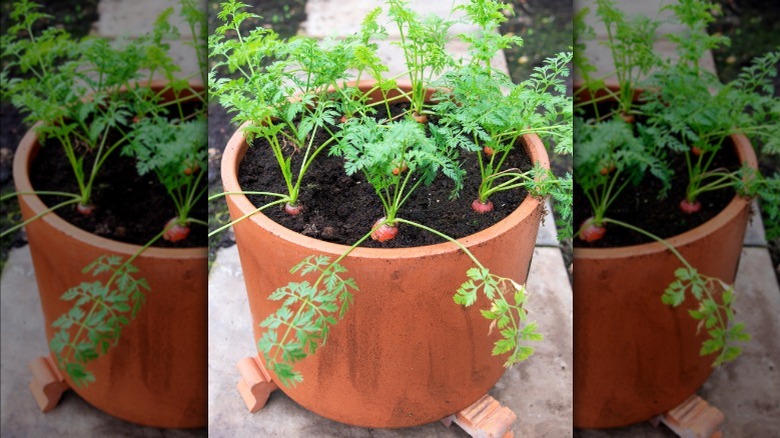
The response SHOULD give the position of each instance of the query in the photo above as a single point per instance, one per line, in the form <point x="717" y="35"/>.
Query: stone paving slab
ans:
<point x="755" y="235"/>
<point x="538" y="391"/>
<point x="22" y="339"/>
<point x="746" y="389"/>
<point x="137" y="17"/>
<point x="601" y="58"/>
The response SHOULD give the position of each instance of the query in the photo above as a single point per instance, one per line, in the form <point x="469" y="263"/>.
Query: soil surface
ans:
<point x="640" y="205"/>
<point x="129" y="208"/>
<point x="342" y="209"/>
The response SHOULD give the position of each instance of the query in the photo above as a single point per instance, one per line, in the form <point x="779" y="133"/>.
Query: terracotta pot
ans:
<point x="636" y="357"/>
<point x="405" y="354"/>
<point x="156" y="375"/>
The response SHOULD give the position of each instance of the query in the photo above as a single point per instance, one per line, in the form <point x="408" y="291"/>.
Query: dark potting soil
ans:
<point x="342" y="209"/>
<point x="640" y="205"/>
<point x="129" y="208"/>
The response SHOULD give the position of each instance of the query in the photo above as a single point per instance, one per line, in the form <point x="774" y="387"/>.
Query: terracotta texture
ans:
<point x="156" y="375"/>
<point x="405" y="354"/>
<point x="635" y="356"/>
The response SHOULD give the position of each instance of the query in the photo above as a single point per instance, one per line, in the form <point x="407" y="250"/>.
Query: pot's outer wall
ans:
<point x="635" y="356"/>
<point x="405" y="354"/>
<point x="156" y="375"/>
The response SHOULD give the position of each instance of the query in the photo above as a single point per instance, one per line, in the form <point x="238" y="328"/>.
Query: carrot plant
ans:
<point x="176" y="153"/>
<point x="169" y="140"/>
<point x="396" y="159"/>
<point x="608" y="158"/>
<point x="423" y="42"/>
<point x="489" y="115"/>
<point x="91" y="98"/>
<point x="61" y="71"/>
<point x="282" y="92"/>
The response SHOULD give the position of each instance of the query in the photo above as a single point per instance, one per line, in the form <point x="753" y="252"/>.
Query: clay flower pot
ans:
<point x="156" y="374"/>
<point x="635" y="356"/>
<point x="405" y="354"/>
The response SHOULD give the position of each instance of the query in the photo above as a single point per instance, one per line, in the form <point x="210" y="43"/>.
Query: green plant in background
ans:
<point x="684" y="111"/>
<point x="288" y="91"/>
<point x="90" y="97"/>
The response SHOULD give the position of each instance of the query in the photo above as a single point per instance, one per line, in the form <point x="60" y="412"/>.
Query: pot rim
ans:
<point x="737" y="204"/>
<point x="234" y="153"/>
<point x="28" y="147"/>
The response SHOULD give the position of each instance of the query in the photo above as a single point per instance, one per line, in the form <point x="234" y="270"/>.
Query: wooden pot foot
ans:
<point x="47" y="384"/>
<point x="486" y="418"/>
<point x="255" y="385"/>
<point x="693" y="418"/>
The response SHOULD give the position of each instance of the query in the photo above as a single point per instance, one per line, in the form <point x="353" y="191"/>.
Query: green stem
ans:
<point x="259" y="209"/>
<point x="48" y="210"/>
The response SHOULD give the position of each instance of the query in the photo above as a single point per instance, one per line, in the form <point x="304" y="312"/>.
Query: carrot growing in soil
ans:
<point x="489" y="114"/>
<point x="374" y="148"/>
<point x="52" y="93"/>
<point x="695" y="115"/>
<point x="173" y="152"/>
